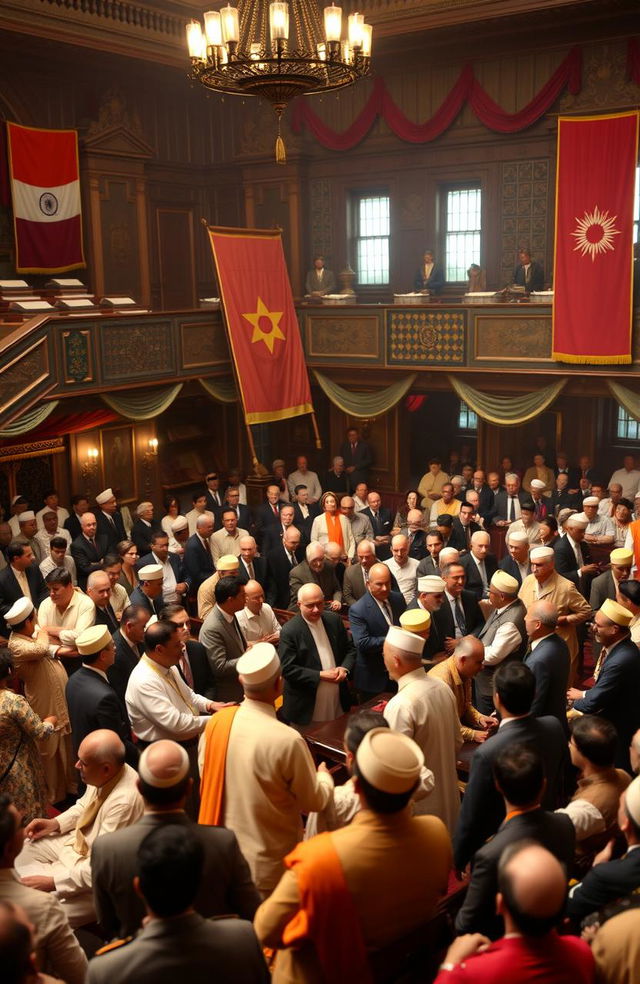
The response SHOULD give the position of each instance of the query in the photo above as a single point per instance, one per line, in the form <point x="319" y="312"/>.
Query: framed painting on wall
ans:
<point x="118" y="462"/>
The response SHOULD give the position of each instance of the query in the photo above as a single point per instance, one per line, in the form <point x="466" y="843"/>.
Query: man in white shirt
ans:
<point x="19" y="505"/>
<point x="199" y="509"/>
<point x="403" y="567"/>
<point x="607" y="506"/>
<point x="628" y="477"/>
<point x="600" y="528"/>
<point x="360" y="496"/>
<point x="65" y="613"/>
<point x="527" y="523"/>
<point x="257" y="621"/>
<point x="302" y="476"/>
<point x="227" y="540"/>
<point x="50" y="528"/>
<point x="59" y="557"/>
<point x="425" y="709"/>
<point x="52" y="502"/>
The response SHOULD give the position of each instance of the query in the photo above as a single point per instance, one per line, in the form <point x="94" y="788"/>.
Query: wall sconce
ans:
<point x="148" y="463"/>
<point x="89" y="468"/>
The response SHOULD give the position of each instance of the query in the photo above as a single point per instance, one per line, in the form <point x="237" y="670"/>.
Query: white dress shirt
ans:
<point x="327" y="706"/>
<point x="255" y="627"/>
<point x="406" y="576"/>
<point x="161" y="705"/>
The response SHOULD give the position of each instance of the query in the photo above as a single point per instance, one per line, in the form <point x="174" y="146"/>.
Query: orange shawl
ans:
<point x="334" y="528"/>
<point x="327" y="916"/>
<point x="215" y="758"/>
<point x="634" y="529"/>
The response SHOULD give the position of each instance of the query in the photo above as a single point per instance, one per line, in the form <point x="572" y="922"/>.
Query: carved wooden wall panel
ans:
<point x="176" y="258"/>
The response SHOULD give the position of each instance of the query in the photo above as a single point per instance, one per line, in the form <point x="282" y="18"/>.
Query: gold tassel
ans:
<point x="281" y="154"/>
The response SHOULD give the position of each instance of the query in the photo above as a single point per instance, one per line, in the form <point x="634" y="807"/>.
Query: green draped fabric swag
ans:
<point x="365" y="405"/>
<point x="30" y="420"/>
<point x="142" y="404"/>
<point x="508" y="411"/>
<point x="222" y="389"/>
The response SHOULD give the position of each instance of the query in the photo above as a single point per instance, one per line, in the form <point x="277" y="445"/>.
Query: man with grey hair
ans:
<point x="99" y="590"/>
<point x="548" y="660"/>
<point x="336" y="479"/>
<point x="425" y="710"/>
<point x="198" y="555"/>
<point x="360" y="523"/>
<point x="164" y="783"/>
<point x="503" y="635"/>
<point x="516" y="560"/>
<point x="315" y="569"/>
<point x="457" y="671"/>
<point x="403" y="567"/>
<point x="61" y="847"/>
<point x="508" y="501"/>
<point x="480" y="565"/>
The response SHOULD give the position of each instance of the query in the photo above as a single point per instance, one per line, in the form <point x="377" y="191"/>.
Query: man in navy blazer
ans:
<point x="280" y="562"/>
<point x="93" y="703"/>
<point x="128" y="641"/>
<point x="381" y="523"/>
<point x="477" y="558"/>
<point x="160" y="555"/>
<point x="198" y="557"/>
<point x="565" y="549"/>
<point x="370" y="618"/>
<point x="313" y="690"/>
<point x="614" y="695"/>
<point x="482" y="809"/>
<point x="20" y="564"/>
<point x="89" y="549"/>
<point x="549" y="661"/>
<point x="268" y="514"/>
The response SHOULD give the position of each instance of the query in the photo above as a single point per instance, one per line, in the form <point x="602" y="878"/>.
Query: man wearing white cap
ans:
<point x="227" y="566"/>
<point x="430" y="598"/>
<point x="380" y="877"/>
<point x="610" y="880"/>
<point x="148" y="591"/>
<point x="18" y="505"/>
<point x="61" y="847"/>
<point x="600" y="528"/>
<point x="92" y="701"/>
<point x="516" y="561"/>
<point x="573" y="556"/>
<point x="27" y="535"/>
<point x="614" y="694"/>
<point x="163" y="782"/>
<point x="178" y="535"/>
<point x="175" y="582"/>
<point x="425" y="709"/>
<point x="457" y="671"/>
<point x="109" y="520"/>
<point x="545" y="582"/>
<point x="503" y="635"/>
<point x="539" y="499"/>
<point x="21" y="578"/>
<point x="44" y="682"/>
<point x="258" y="776"/>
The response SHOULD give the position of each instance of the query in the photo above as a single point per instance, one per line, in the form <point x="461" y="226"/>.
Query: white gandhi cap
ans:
<point x="389" y="761"/>
<point x="259" y="664"/>
<point x="407" y="642"/>
<point x="172" y="772"/>
<point x="20" y="610"/>
<point x="104" y="497"/>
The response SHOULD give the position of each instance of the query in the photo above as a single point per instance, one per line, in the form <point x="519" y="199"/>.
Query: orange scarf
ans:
<point x="215" y="759"/>
<point x="634" y="529"/>
<point x="327" y="916"/>
<point x="334" y="529"/>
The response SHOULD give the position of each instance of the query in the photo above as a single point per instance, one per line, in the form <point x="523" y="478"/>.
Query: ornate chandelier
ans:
<point x="278" y="50"/>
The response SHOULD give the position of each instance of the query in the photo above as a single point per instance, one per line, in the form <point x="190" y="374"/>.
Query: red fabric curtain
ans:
<point x="568" y="75"/>
<point x="72" y="423"/>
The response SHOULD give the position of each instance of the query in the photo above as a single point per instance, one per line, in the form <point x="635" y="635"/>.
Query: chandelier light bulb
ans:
<point x="213" y="28"/>
<point x="333" y="22"/>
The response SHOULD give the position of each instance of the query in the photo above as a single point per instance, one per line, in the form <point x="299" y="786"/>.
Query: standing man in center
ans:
<point x="317" y="658"/>
<point x="425" y="709"/>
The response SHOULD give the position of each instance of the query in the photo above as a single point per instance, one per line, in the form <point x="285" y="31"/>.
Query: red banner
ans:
<point x="262" y="324"/>
<point x="593" y="274"/>
<point x="45" y="189"/>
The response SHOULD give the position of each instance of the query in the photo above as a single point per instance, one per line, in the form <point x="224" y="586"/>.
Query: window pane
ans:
<point x="467" y="418"/>
<point x="628" y="428"/>
<point x="463" y="234"/>
<point x="372" y="240"/>
<point x="374" y="216"/>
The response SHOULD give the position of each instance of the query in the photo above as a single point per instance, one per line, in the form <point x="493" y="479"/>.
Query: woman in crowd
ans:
<point x="21" y="772"/>
<point x="332" y="527"/>
<point x="411" y="501"/>
<point x="548" y="531"/>
<point x="129" y="555"/>
<point x="172" y="511"/>
<point x="621" y="521"/>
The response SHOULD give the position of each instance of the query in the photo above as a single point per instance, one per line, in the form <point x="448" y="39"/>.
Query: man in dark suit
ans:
<point x="614" y="694"/>
<point x="518" y="771"/>
<point x="268" y="514"/>
<point x="508" y="501"/>
<point x="144" y="527"/>
<point x="315" y="569"/>
<point x="430" y="276"/>
<point x="223" y="640"/>
<point x="415" y="534"/>
<point x="548" y="659"/>
<point x="573" y="555"/>
<point x="317" y="657"/>
<point x="528" y="273"/>
<point x="370" y="618"/>
<point x="304" y="512"/>
<point x="20" y="572"/>
<point x="516" y="561"/>
<point x="148" y="591"/>
<point x="460" y="613"/>
<point x="160" y="555"/>
<point x="194" y="667"/>
<point x="128" y="641"/>
<point x="226" y="885"/>
<point x="562" y="467"/>
<point x="612" y="880"/>
<point x="88" y="549"/>
<point x="434" y="543"/>
<point x="251" y="567"/>
<point x="336" y="479"/>
<point x="482" y="808"/>
<point x="79" y="506"/>
<point x="93" y="703"/>
<point x="198" y="557"/>
<point x="562" y="497"/>
<point x="245" y="519"/>
<point x="357" y="456"/>
<point x="275" y="531"/>
<point x="381" y="522"/>
<point x="485" y="496"/>
<point x="280" y="562"/>
<point x="213" y="494"/>
<point x="99" y="590"/>
<point x="464" y="526"/>
<point x="109" y="520"/>
<point x="356" y="575"/>
<point x="479" y="565"/>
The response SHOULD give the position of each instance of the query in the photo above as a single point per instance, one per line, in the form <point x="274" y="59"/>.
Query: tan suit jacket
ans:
<point x="616" y="949"/>
<point x="461" y="689"/>
<point x="395" y="866"/>
<point x="568" y="600"/>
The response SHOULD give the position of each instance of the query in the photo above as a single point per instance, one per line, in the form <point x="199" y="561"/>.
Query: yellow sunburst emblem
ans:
<point x="594" y="233"/>
<point x="259" y="335"/>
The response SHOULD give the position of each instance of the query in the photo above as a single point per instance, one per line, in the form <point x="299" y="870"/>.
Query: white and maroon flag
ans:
<point x="45" y="189"/>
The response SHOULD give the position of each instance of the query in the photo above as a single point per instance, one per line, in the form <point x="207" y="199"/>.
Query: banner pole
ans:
<point x="316" y="431"/>
<point x="252" y="448"/>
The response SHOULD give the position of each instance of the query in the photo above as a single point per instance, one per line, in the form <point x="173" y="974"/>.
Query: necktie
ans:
<point x="483" y="576"/>
<point x="250" y="569"/>
<point x="353" y="447"/>
<point x="207" y="547"/>
<point x="579" y="557"/>
<point x="243" y="641"/>
<point x="460" y="619"/>
<point x="387" y="611"/>
<point x="512" y="508"/>
<point x="185" y="668"/>
<point x="291" y="559"/>
<point x="601" y="660"/>
<point x="90" y="812"/>
<point x="113" y="621"/>
<point x="275" y="510"/>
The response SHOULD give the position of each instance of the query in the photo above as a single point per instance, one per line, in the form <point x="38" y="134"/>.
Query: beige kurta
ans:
<point x="568" y="600"/>
<point x="425" y="710"/>
<point x="470" y="717"/>
<point x="270" y="780"/>
<point x="44" y="681"/>
<point x="395" y="866"/>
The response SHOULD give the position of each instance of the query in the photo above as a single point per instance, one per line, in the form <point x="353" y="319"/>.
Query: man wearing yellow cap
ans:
<point x="614" y="694"/>
<point x="606" y="585"/>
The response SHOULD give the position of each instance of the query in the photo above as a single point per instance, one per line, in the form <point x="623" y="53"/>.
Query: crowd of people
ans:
<point x="162" y="683"/>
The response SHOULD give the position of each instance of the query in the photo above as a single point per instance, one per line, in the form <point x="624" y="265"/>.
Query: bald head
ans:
<point x="310" y="594"/>
<point x="469" y="656"/>
<point x="333" y="552"/>
<point x="541" y="619"/>
<point x="532" y="889"/>
<point x="480" y="544"/>
<point x="164" y="763"/>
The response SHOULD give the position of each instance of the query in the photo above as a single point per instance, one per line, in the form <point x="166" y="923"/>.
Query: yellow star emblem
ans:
<point x="259" y="335"/>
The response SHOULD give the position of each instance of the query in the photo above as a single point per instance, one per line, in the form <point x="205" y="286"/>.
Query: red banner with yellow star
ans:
<point x="593" y="274"/>
<point x="261" y="322"/>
